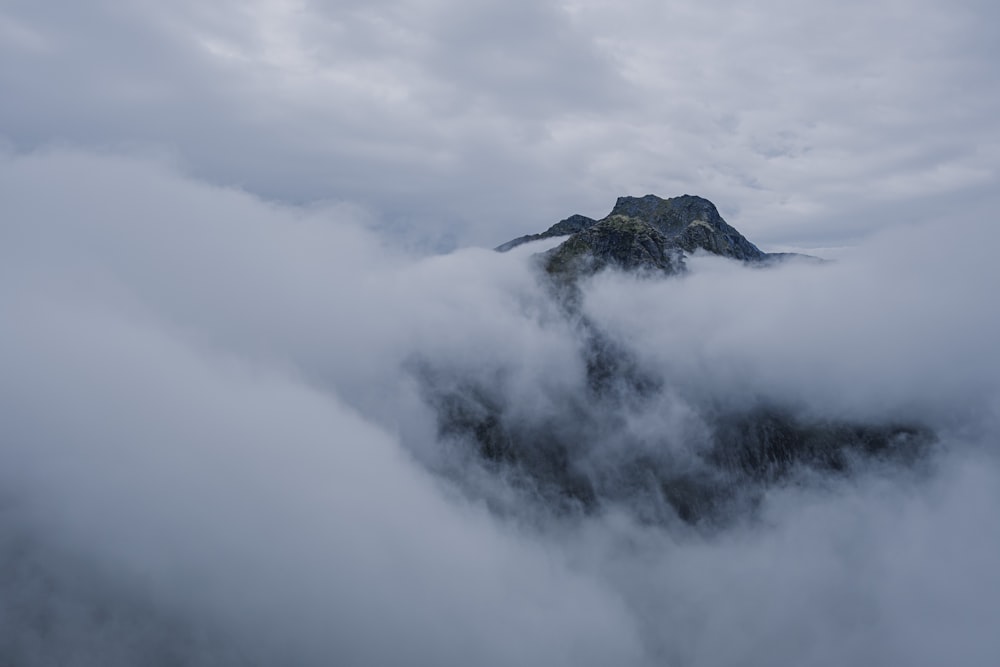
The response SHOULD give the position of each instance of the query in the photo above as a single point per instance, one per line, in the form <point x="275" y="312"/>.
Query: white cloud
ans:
<point x="207" y="421"/>
<point x="144" y="431"/>
<point x="479" y="123"/>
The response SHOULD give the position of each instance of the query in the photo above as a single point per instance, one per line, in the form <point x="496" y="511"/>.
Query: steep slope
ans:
<point x="616" y="241"/>
<point x="571" y="225"/>
<point x="687" y="223"/>
<point x="713" y="470"/>
<point x="690" y="222"/>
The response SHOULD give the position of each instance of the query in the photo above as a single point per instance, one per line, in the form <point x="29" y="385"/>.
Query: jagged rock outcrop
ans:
<point x="639" y="230"/>
<point x="687" y="222"/>
<point x="691" y="223"/>
<point x="617" y="241"/>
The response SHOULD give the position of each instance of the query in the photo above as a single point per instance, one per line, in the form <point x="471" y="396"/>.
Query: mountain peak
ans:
<point x="686" y="223"/>
<point x="675" y="212"/>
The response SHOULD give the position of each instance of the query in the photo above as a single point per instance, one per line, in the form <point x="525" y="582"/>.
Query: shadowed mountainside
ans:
<point x="585" y="453"/>
<point x="686" y="222"/>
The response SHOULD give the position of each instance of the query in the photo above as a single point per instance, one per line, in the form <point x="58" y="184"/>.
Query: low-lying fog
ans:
<point x="214" y="451"/>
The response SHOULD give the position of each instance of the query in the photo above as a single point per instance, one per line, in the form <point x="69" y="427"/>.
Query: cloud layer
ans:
<point x="214" y="450"/>
<point x="217" y="438"/>
<point x="453" y="123"/>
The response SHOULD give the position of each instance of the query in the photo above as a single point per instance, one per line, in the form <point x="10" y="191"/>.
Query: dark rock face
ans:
<point x="583" y="457"/>
<point x="571" y="225"/>
<point x="616" y="241"/>
<point x="692" y="222"/>
<point x="561" y="455"/>
<point x="686" y="223"/>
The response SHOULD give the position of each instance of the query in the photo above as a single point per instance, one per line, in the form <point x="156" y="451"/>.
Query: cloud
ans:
<point x="214" y="443"/>
<point x="894" y="327"/>
<point x="459" y="124"/>
<point x="882" y="570"/>
<point x="144" y="433"/>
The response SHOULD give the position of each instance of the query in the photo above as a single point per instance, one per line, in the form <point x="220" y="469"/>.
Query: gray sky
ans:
<point x="808" y="124"/>
<point x="214" y="448"/>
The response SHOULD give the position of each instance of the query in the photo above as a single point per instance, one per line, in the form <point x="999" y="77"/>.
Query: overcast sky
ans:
<point x="218" y="443"/>
<point x="454" y="123"/>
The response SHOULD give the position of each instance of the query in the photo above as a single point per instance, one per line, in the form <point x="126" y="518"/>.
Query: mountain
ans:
<point x="645" y="233"/>
<point x="716" y="470"/>
<point x="571" y="225"/>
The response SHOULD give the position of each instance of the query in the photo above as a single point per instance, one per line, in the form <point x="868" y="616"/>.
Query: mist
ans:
<point x="219" y="443"/>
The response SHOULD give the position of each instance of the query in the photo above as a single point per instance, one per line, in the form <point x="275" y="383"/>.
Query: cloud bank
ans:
<point x="215" y="449"/>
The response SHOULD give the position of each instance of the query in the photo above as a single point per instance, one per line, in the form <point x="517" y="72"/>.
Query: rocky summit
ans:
<point x="691" y="223"/>
<point x="644" y="233"/>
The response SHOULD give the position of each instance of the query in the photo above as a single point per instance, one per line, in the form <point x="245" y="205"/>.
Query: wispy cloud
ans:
<point x="210" y="426"/>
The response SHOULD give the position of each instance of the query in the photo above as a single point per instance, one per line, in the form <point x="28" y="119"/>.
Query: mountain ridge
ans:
<point x="639" y="229"/>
